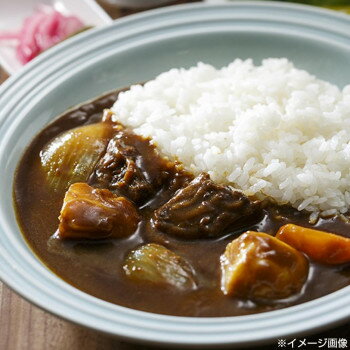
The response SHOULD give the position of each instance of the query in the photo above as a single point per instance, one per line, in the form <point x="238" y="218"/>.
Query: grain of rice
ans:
<point x="272" y="130"/>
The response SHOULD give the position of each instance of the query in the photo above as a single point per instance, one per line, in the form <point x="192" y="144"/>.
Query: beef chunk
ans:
<point x="118" y="171"/>
<point x="93" y="213"/>
<point x="202" y="209"/>
<point x="131" y="167"/>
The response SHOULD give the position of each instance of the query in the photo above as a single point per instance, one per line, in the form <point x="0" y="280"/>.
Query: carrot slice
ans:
<point x="324" y="247"/>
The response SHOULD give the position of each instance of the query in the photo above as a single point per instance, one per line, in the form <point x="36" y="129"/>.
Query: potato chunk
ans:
<point x="159" y="265"/>
<point x="324" y="247"/>
<point x="92" y="213"/>
<point x="259" y="266"/>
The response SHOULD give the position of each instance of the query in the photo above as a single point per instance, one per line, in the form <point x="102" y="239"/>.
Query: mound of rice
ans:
<point x="270" y="130"/>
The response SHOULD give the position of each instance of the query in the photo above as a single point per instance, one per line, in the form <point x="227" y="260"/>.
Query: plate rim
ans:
<point x="13" y="81"/>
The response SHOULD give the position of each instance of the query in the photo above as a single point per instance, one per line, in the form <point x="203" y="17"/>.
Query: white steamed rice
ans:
<point x="270" y="130"/>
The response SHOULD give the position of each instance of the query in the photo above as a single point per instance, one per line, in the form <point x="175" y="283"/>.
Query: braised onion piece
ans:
<point x="156" y="264"/>
<point x="72" y="155"/>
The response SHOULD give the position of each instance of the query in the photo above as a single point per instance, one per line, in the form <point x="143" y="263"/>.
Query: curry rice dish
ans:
<point x="203" y="192"/>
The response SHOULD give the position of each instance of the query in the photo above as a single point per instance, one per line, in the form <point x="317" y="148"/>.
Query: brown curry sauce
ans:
<point x="95" y="267"/>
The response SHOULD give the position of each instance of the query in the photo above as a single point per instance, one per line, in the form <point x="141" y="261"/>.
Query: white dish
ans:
<point x="12" y="14"/>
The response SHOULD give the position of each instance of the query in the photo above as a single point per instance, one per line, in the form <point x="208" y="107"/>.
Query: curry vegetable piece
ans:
<point x="156" y="264"/>
<point x="72" y="155"/>
<point x="258" y="266"/>
<point x="91" y="213"/>
<point x="324" y="247"/>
